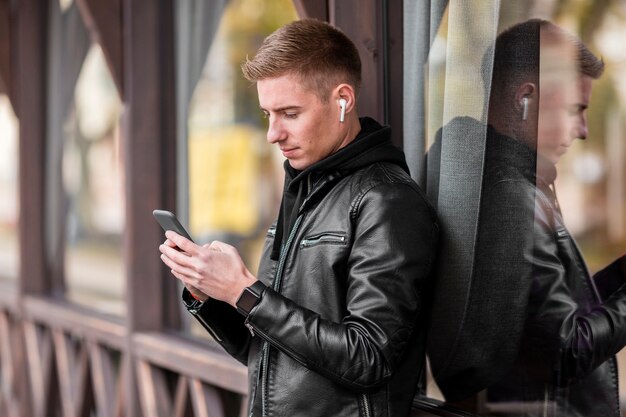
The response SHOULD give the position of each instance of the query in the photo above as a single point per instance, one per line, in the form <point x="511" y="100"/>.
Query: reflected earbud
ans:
<point x="525" y="108"/>
<point x="342" y="103"/>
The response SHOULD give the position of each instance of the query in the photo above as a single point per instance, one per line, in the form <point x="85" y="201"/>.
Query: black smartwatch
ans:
<point x="250" y="297"/>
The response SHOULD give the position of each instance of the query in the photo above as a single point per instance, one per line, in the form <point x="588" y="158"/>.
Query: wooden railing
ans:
<point x="59" y="359"/>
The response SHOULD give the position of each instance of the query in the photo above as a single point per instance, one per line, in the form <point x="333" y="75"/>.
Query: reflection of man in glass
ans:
<point x="540" y="334"/>
<point x="334" y="325"/>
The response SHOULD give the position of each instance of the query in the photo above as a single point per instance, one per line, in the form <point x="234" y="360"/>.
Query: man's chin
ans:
<point x="298" y="165"/>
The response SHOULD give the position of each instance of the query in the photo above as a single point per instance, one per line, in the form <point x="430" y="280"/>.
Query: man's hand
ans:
<point x="197" y="294"/>
<point x="215" y="270"/>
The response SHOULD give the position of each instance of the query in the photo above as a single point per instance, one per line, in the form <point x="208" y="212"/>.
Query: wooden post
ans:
<point x="7" y="26"/>
<point x="149" y="157"/>
<point x="375" y="26"/>
<point x="31" y="92"/>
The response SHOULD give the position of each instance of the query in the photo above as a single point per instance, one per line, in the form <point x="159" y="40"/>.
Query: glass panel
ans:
<point x="234" y="177"/>
<point x="527" y="321"/>
<point x="93" y="175"/>
<point x="591" y="182"/>
<point x="9" y="205"/>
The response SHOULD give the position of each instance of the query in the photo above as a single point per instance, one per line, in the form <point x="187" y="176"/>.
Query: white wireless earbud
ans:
<point x="342" y="103"/>
<point x="525" y="108"/>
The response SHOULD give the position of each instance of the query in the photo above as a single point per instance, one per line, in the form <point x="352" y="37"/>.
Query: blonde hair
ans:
<point x="320" y="55"/>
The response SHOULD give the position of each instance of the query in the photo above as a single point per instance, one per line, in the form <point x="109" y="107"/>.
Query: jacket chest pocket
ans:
<point x="325" y="238"/>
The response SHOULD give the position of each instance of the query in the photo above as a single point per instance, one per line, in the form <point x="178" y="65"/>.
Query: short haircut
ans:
<point x="320" y="55"/>
<point x="516" y="55"/>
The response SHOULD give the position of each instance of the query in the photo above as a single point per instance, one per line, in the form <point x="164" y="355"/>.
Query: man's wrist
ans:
<point x="250" y="297"/>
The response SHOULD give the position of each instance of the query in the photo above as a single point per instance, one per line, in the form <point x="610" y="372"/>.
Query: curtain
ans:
<point x="197" y="22"/>
<point x="447" y="60"/>
<point x="421" y="21"/>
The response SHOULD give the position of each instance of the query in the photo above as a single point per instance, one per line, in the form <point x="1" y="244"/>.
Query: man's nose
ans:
<point x="581" y="128"/>
<point x="275" y="132"/>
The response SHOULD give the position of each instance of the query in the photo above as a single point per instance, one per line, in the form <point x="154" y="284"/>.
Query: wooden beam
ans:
<point x="149" y="135"/>
<point x="181" y="399"/>
<point x="394" y="86"/>
<point x="5" y="42"/>
<point x="155" y="396"/>
<point x="206" y="399"/>
<point x="77" y="320"/>
<point x="6" y="51"/>
<point x="192" y="359"/>
<point x="149" y="138"/>
<point x="375" y="26"/>
<point x="39" y="351"/>
<point x="32" y="26"/>
<point x="315" y="9"/>
<point x="360" y="20"/>
<point x="103" y="379"/>
<point x="103" y="19"/>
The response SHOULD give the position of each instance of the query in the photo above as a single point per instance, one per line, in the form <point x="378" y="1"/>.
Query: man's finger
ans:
<point x="182" y="242"/>
<point x="179" y="258"/>
<point x="170" y="243"/>
<point x="181" y="269"/>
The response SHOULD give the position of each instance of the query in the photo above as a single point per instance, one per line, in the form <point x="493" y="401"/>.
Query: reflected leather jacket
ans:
<point x="339" y="330"/>
<point x="539" y="332"/>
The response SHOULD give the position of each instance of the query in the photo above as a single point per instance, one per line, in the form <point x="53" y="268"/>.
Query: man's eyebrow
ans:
<point x="279" y="109"/>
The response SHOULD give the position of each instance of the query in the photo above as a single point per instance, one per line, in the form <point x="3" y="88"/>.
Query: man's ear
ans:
<point x="344" y="92"/>
<point x="526" y="96"/>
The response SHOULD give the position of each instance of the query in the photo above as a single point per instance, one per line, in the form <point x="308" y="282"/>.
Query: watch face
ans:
<point x="247" y="300"/>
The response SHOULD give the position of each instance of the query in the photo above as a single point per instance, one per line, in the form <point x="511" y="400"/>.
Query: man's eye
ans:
<point x="291" y="115"/>
<point x="266" y="115"/>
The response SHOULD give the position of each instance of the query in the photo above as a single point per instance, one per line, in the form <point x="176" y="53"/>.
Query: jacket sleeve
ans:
<point x="569" y="337"/>
<point x="394" y="245"/>
<point x="225" y="325"/>
<point x="611" y="278"/>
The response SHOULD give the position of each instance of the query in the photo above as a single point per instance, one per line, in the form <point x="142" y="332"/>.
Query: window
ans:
<point x="230" y="178"/>
<point x="93" y="181"/>
<point x="85" y="170"/>
<point x="499" y="131"/>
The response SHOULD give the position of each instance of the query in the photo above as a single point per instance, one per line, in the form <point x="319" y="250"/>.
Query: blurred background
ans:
<point x="109" y="109"/>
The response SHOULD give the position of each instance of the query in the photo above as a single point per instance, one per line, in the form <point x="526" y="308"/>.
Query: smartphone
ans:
<point x="168" y="221"/>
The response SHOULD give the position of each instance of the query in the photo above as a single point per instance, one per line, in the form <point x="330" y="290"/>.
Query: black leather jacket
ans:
<point x="536" y="334"/>
<point x="340" y="329"/>
<point x="566" y="363"/>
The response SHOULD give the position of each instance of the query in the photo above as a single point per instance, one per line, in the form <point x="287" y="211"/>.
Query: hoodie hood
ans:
<point x="371" y="145"/>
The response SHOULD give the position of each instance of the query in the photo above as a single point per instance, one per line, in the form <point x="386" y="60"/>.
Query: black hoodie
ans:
<point x="372" y="144"/>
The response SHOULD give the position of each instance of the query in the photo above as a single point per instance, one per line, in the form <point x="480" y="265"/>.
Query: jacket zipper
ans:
<point x="276" y="287"/>
<point x="322" y="237"/>
<point x="366" y="405"/>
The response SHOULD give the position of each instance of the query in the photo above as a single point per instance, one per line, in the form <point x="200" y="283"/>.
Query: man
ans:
<point x="334" y="323"/>
<point x="539" y="333"/>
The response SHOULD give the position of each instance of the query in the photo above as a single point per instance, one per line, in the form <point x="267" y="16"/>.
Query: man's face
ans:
<point x="564" y="96"/>
<point x="563" y="118"/>
<point x="305" y="129"/>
